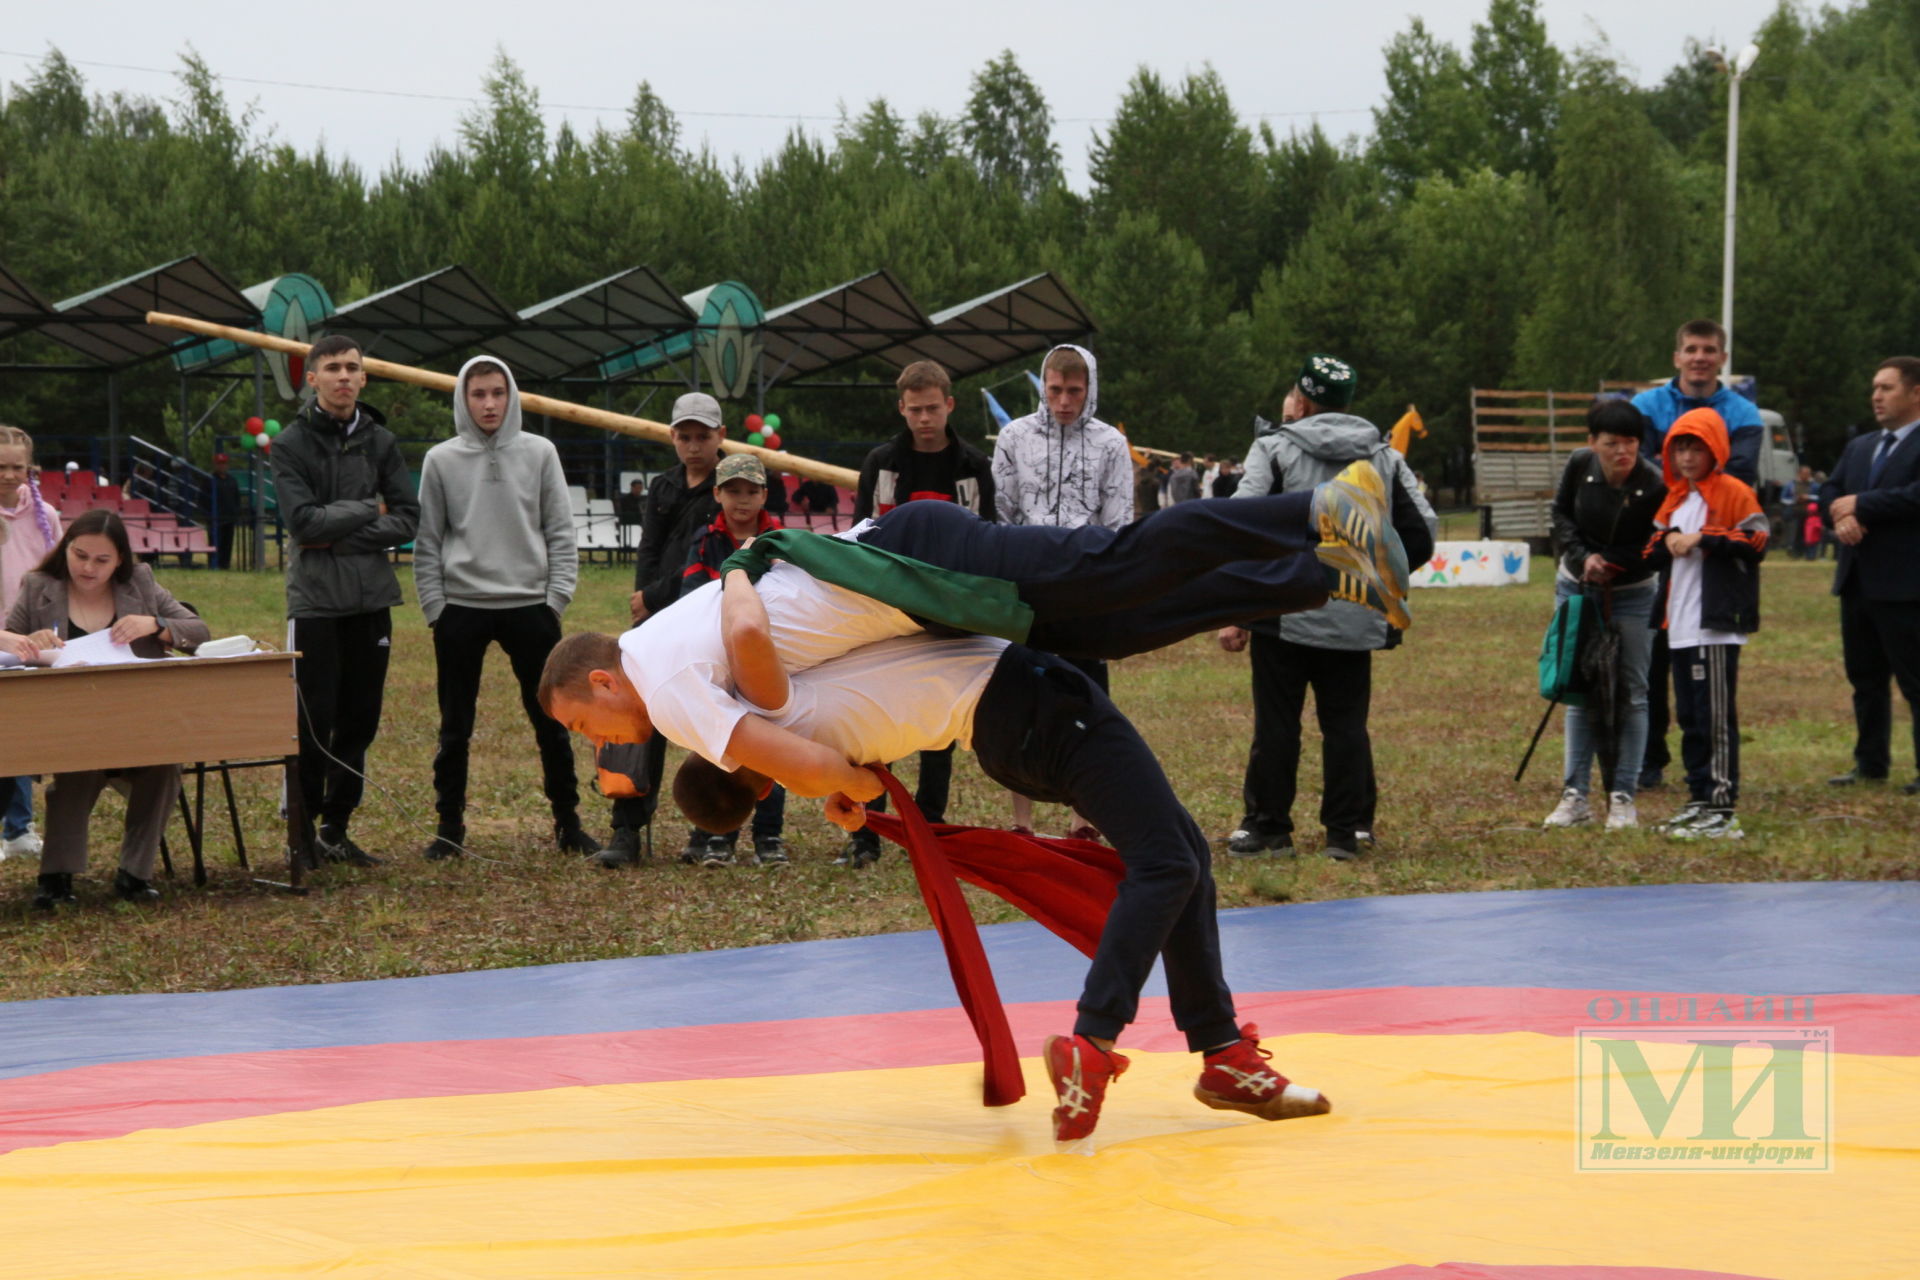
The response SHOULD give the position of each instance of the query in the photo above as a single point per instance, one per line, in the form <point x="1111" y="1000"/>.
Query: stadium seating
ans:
<point x="150" y="530"/>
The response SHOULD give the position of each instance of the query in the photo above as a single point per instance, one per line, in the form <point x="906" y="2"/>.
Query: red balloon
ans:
<point x="773" y="441"/>
<point x="753" y="422"/>
<point x="254" y="426"/>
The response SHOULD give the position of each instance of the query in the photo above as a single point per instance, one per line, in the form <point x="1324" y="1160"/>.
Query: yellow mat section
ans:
<point x="1440" y="1148"/>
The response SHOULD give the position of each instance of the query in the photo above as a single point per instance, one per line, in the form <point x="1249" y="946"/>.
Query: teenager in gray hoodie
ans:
<point x="495" y="561"/>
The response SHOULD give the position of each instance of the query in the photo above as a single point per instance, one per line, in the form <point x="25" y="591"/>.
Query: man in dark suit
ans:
<point x="1872" y="502"/>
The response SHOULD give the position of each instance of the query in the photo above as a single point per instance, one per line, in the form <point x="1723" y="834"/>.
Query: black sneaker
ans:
<point x="1251" y="844"/>
<point x="719" y="852"/>
<point x="770" y="851"/>
<point x="573" y="838"/>
<point x="696" y="851"/>
<point x="132" y="888"/>
<point x="445" y="845"/>
<point x="860" y="851"/>
<point x="623" y="850"/>
<point x="1853" y="778"/>
<point x="55" y="889"/>
<point x="339" y="847"/>
<point x="1343" y="848"/>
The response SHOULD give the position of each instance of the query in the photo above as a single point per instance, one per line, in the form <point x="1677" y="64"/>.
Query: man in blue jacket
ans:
<point x="1699" y="354"/>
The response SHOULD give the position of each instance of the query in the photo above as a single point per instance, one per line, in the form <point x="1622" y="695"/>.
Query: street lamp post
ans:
<point x="1738" y="70"/>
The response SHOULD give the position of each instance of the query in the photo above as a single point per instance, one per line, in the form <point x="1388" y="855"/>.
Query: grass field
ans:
<point x="1452" y="712"/>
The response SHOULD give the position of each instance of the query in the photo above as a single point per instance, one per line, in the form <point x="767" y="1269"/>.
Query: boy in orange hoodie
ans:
<point x="1712" y="532"/>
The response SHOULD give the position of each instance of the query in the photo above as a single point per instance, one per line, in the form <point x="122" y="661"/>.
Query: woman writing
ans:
<point x="89" y="583"/>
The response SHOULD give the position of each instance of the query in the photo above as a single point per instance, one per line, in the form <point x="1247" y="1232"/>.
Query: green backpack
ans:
<point x="1574" y="620"/>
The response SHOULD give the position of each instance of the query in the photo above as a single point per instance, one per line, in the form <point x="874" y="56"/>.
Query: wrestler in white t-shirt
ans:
<point x="883" y="702"/>
<point x="677" y="659"/>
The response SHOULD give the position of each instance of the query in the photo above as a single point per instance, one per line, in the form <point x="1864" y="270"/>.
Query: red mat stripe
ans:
<point x="114" y="1099"/>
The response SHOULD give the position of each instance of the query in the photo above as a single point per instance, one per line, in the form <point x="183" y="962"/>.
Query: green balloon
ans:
<point x="246" y="442"/>
<point x="756" y="438"/>
<point x="771" y="422"/>
<point x="273" y="427"/>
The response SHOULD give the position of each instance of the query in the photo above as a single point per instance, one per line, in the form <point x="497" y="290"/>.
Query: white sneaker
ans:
<point x="25" y="845"/>
<point x="1688" y="815"/>
<point x="1622" y="815"/>
<point x="1572" y="811"/>
<point x="1712" y="824"/>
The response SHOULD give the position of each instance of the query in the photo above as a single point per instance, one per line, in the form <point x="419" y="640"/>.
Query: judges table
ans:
<point x="120" y="716"/>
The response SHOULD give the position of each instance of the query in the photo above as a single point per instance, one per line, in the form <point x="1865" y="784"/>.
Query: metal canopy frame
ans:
<point x="998" y="328"/>
<point x="427" y="317"/>
<point x="577" y="330"/>
<point x="564" y="338"/>
<point x="107" y="326"/>
<point x="20" y="307"/>
<point x="837" y="326"/>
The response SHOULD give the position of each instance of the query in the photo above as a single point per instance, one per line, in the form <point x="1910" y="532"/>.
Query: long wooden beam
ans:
<point x="565" y="410"/>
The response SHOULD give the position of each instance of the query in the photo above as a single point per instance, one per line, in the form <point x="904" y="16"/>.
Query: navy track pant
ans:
<point x="1112" y="593"/>
<point x="1045" y="730"/>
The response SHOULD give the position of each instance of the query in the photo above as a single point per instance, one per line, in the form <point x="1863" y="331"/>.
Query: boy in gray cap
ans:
<point x="740" y="488"/>
<point x="679" y="505"/>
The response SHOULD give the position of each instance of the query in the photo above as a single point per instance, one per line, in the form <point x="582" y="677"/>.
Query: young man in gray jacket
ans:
<point x="495" y="562"/>
<point x="1329" y="649"/>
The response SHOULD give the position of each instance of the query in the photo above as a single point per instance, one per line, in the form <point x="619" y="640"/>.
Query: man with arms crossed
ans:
<point x="346" y="499"/>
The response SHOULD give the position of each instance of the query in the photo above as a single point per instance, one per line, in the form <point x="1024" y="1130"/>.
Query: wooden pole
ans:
<point x="567" y="410"/>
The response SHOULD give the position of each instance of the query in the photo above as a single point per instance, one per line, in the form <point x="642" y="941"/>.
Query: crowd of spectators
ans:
<point x="1656" y="525"/>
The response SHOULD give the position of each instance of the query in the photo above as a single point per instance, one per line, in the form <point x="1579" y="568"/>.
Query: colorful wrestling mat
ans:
<point x="1628" y="1084"/>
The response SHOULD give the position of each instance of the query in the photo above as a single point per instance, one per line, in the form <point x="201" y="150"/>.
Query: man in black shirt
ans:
<point x="925" y="462"/>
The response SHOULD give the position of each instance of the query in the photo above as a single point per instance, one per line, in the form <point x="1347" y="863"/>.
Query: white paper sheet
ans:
<point x="93" y="650"/>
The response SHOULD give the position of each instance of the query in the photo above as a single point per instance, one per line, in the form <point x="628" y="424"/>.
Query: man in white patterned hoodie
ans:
<point x="1062" y="466"/>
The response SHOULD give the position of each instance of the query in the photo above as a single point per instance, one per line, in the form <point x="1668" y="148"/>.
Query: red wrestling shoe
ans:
<point x="1237" y="1078"/>
<point x="1080" y="1071"/>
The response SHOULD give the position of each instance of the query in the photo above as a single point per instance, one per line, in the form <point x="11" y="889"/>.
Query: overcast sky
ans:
<point x="740" y="75"/>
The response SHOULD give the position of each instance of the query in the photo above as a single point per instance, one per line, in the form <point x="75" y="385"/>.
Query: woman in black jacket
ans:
<point x="1602" y="518"/>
